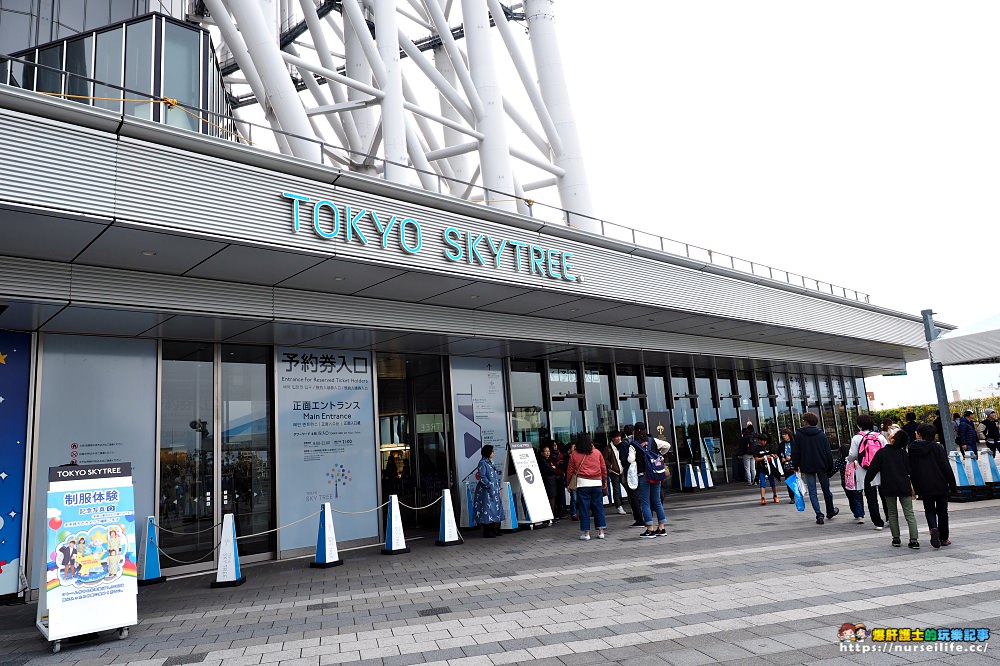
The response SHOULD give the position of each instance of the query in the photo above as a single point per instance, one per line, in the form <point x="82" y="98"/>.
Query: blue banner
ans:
<point x="15" y="379"/>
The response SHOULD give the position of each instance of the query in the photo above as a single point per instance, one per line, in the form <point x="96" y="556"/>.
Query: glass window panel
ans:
<point x="744" y="389"/>
<point x="16" y="30"/>
<point x="597" y="387"/>
<point x="732" y="429"/>
<point x="563" y="381"/>
<point x="108" y="68"/>
<point x="98" y="14"/>
<point x="862" y="394"/>
<point x="768" y="416"/>
<point x="181" y="73"/>
<point x="810" y="384"/>
<point x="139" y="68"/>
<point x="849" y="387"/>
<point x="530" y="421"/>
<point x="838" y="387"/>
<point x="829" y="424"/>
<point x="49" y="78"/>
<point x="795" y="384"/>
<point x="122" y="10"/>
<point x="627" y="381"/>
<point x="780" y="386"/>
<point x="824" y="388"/>
<point x="656" y="391"/>
<point x="708" y="426"/>
<point x="79" y="57"/>
<point x="680" y="381"/>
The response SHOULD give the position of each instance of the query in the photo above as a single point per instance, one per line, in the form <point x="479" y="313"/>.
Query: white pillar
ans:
<point x="393" y="118"/>
<point x="494" y="155"/>
<point x="262" y="45"/>
<point x="459" y="164"/>
<point x="358" y="68"/>
<point x="574" y="191"/>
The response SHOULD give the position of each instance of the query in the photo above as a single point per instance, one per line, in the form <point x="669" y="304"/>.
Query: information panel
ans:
<point x="480" y="410"/>
<point x="15" y="374"/>
<point x="529" y="478"/>
<point x="326" y="448"/>
<point x="90" y="575"/>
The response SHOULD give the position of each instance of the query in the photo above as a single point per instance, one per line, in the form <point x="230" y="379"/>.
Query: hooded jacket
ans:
<point x="811" y="451"/>
<point x="894" y="465"/>
<point x="929" y="469"/>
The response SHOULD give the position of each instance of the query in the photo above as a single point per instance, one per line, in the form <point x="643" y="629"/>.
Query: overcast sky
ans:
<point x="853" y="142"/>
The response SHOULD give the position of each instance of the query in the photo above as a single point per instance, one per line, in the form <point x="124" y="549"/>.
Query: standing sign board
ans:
<point x="89" y="582"/>
<point x="529" y="480"/>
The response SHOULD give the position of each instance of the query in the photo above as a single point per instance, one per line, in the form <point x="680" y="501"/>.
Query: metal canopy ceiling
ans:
<point x="39" y="234"/>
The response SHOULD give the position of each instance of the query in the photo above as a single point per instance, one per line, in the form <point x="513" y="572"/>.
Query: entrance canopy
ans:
<point x="976" y="344"/>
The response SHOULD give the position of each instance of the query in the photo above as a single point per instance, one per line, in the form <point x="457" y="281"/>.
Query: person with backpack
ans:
<point x="652" y="471"/>
<point x="932" y="478"/>
<point x="864" y="446"/>
<point x="812" y="457"/>
<point x="893" y="463"/>
<point x="628" y="478"/>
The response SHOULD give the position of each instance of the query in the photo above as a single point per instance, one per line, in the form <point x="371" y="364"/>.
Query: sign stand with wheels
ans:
<point x="88" y="583"/>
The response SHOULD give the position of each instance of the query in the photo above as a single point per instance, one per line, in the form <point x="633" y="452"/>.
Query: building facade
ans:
<point x="258" y="334"/>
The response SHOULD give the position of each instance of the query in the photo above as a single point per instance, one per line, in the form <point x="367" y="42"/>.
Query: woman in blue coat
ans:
<point x="486" y="502"/>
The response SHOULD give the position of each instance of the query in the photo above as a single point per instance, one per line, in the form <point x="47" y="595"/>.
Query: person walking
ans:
<point x="649" y="488"/>
<point x="892" y="462"/>
<point x="587" y="464"/>
<point x="614" y="464"/>
<point x="932" y="478"/>
<point x="547" y="469"/>
<point x="785" y="453"/>
<point x="911" y="426"/>
<point x="624" y="454"/>
<point x="864" y="445"/>
<point x="968" y="438"/>
<point x="849" y="482"/>
<point x="812" y="457"/>
<point x="889" y="428"/>
<point x="486" y="500"/>
<point x="747" y="447"/>
<point x="763" y="459"/>
<point x="989" y="431"/>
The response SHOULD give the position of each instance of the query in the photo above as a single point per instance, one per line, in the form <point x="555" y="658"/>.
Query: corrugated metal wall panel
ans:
<point x="110" y="286"/>
<point x="35" y="279"/>
<point x="191" y="192"/>
<point x="46" y="163"/>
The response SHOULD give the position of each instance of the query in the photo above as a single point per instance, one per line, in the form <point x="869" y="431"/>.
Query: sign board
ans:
<point x="89" y="582"/>
<point x="900" y="373"/>
<point x="326" y="451"/>
<point x="529" y="480"/>
<point x="15" y="382"/>
<point x="480" y="411"/>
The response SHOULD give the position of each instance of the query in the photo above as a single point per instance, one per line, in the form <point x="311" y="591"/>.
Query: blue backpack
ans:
<point x="656" y="471"/>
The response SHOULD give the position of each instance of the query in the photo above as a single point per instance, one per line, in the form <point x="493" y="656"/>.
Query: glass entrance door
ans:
<point x="216" y="451"/>
<point x="187" y="455"/>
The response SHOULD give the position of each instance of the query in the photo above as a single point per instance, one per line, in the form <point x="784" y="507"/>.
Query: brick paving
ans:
<point x="733" y="582"/>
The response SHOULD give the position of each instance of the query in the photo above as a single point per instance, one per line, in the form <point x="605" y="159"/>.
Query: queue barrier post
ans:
<point x="228" y="573"/>
<point x="326" y="541"/>
<point x="395" y="541"/>
<point x="151" y="555"/>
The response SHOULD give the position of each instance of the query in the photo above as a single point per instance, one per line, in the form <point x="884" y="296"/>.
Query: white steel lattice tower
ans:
<point x="465" y="97"/>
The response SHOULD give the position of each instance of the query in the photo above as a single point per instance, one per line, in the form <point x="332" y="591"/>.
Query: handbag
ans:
<point x="573" y="479"/>
<point x="632" y="478"/>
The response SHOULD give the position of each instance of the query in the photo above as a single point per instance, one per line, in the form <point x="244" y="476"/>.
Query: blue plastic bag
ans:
<point x="793" y="484"/>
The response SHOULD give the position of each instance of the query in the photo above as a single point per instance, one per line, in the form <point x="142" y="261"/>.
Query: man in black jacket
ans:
<point x="932" y="479"/>
<point x="812" y="458"/>
<point x="991" y="431"/>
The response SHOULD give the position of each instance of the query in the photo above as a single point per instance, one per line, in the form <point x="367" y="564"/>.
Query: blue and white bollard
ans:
<point x="448" y="531"/>
<point x="228" y="574"/>
<point x="468" y="500"/>
<point x="150" y="557"/>
<point x="395" y="542"/>
<point x="509" y="522"/>
<point x="326" y="541"/>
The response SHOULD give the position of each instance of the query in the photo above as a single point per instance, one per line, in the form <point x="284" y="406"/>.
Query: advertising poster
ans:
<point x="326" y="447"/>
<point x="480" y="411"/>
<point x="98" y="406"/>
<point x="529" y="479"/>
<point x="15" y="377"/>
<point x="90" y="574"/>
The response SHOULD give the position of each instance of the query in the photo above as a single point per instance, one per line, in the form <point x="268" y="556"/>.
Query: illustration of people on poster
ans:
<point x="91" y="572"/>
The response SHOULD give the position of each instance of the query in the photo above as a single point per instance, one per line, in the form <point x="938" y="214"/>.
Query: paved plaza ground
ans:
<point x="734" y="582"/>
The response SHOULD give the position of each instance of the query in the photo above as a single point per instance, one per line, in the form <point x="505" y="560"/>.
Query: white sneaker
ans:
<point x="600" y="535"/>
<point x="861" y="521"/>
<point x="880" y="527"/>
<point x="621" y="510"/>
<point x="584" y="537"/>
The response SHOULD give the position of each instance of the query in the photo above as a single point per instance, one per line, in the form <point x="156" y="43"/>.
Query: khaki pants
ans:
<point x="891" y="512"/>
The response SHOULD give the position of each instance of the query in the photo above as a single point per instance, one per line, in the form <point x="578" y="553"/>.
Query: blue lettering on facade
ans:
<point x="465" y="246"/>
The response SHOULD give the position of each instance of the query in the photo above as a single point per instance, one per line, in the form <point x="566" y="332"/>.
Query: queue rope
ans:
<point x="207" y="529"/>
<point x="200" y="559"/>
<point x="420" y="508"/>
<point x="358" y="513"/>
<point x="279" y="527"/>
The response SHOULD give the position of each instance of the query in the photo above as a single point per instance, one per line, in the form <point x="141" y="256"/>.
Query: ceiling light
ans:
<point x="473" y="296"/>
<point x="574" y="309"/>
<point x="148" y="253"/>
<point x="339" y="278"/>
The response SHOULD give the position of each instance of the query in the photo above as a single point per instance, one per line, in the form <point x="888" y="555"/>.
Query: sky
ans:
<point x="853" y="142"/>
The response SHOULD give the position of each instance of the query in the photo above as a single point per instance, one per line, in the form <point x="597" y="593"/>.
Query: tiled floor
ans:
<point x="738" y="583"/>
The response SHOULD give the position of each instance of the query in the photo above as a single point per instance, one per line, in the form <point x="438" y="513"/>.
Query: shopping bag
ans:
<point x="632" y="478"/>
<point x="794" y="483"/>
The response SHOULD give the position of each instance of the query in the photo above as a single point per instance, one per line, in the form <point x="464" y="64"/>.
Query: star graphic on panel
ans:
<point x="12" y="514"/>
<point x="3" y="359"/>
<point x="1" y="399"/>
<point x="3" y="476"/>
